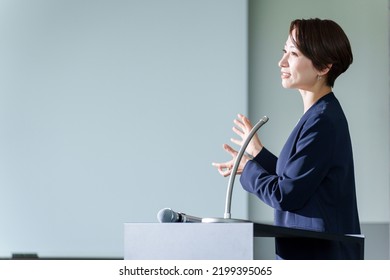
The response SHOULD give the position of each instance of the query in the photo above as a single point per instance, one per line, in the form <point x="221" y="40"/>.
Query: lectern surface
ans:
<point x="188" y="241"/>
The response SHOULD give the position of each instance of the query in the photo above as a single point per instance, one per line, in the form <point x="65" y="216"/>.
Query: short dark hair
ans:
<point x="323" y="42"/>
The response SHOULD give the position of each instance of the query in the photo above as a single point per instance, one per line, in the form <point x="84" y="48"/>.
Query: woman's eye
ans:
<point x="294" y="53"/>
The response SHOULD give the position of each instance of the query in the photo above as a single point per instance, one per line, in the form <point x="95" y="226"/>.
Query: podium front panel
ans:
<point x="188" y="241"/>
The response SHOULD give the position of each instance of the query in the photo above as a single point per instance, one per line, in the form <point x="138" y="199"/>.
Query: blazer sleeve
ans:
<point x="305" y="163"/>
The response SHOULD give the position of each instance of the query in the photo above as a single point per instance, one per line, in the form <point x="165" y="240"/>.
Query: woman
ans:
<point x="311" y="184"/>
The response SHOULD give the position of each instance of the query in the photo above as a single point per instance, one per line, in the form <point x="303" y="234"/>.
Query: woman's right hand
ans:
<point x="242" y="129"/>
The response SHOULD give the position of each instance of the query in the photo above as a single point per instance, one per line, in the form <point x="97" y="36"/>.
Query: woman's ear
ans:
<point x="325" y="70"/>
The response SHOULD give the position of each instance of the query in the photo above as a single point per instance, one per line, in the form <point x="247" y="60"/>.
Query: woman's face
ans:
<point x="297" y="71"/>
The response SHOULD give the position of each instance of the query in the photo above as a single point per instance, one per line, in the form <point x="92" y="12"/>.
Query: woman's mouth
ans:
<point x="285" y="75"/>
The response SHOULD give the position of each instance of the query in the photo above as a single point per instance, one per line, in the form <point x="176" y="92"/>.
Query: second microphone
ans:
<point x="167" y="215"/>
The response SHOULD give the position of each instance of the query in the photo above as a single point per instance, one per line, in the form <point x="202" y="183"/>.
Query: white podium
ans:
<point x="188" y="241"/>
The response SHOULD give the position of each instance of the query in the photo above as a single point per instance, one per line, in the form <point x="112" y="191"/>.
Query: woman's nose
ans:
<point x="283" y="62"/>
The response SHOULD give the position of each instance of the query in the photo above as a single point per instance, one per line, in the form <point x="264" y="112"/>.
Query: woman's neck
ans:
<point x="311" y="97"/>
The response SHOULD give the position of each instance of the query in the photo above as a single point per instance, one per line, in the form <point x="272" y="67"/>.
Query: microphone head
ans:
<point x="264" y="119"/>
<point x="166" y="215"/>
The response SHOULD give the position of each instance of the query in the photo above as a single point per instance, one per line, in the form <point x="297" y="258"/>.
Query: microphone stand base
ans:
<point x="223" y="220"/>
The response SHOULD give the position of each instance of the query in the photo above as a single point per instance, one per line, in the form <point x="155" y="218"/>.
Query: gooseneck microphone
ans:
<point x="228" y="204"/>
<point x="167" y="215"/>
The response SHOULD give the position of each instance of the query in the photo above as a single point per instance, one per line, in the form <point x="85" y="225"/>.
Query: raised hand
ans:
<point x="242" y="129"/>
<point x="225" y="168"/>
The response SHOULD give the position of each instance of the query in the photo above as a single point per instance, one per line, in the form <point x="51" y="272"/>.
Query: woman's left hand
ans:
<point x="225" y="168"/>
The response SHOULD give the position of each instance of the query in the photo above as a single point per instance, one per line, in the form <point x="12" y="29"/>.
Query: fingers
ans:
<point x="237" y="142"/>
<point x="230" y="150"/>
<point x="245" y="122"/>
<point x="238" y="132"/>
<point x="242" y="128"/>
<point x="225" y="169"/>
<point x="240" y="125"/>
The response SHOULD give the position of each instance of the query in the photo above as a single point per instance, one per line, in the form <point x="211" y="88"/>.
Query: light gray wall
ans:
<point x="111" y="110"/>
<point x="363" y="92"/>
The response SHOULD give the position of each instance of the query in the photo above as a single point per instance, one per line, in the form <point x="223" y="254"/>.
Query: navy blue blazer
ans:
<point x="312" y="184"/>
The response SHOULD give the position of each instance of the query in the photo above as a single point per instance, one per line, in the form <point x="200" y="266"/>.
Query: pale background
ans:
<point x="111" y="111"/>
